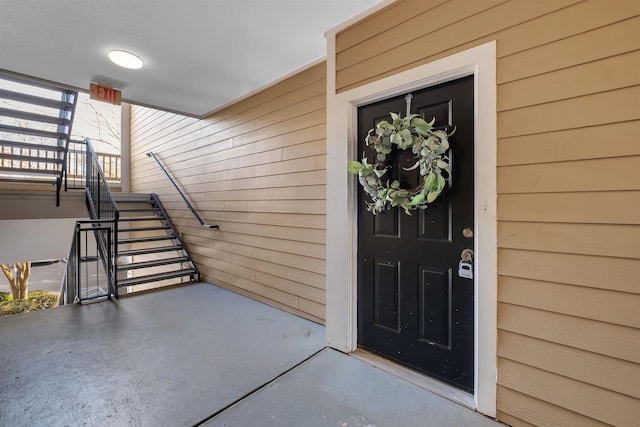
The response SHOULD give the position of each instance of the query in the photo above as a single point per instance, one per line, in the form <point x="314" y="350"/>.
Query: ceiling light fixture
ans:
<point x="125" y="59"/>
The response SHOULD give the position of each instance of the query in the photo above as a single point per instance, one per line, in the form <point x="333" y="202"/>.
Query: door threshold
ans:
<point x="416" y="378"/>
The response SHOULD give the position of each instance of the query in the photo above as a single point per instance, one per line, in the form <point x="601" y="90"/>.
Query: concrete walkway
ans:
<point x="334" y="389"/>
<point x="196" y="355"/>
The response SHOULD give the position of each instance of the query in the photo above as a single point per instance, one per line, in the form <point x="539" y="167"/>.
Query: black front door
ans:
<point x="413" y="305"/>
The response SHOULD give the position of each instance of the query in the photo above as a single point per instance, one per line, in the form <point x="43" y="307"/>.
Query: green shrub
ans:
<point x="37" y="300"/>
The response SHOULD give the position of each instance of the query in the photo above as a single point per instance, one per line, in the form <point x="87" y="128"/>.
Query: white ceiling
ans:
<point x="199" y="55"/>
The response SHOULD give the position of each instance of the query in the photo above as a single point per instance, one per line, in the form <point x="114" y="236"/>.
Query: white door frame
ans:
<point x="342" y="221"/>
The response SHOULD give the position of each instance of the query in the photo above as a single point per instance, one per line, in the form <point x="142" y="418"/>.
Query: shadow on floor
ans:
<point x="191" y="355"/>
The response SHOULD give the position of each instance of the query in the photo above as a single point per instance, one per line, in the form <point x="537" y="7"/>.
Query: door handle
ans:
<point x="467" y="255"/>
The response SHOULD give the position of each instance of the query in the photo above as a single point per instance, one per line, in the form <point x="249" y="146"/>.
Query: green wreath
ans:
<point x="429" y="148"/>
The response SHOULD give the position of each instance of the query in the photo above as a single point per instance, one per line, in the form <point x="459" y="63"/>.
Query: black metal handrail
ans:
<point x="102" y="206"/>
<point x="193" y="211"/>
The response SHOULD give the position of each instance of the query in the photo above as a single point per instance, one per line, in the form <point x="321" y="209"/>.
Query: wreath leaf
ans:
<point x="414" y="167"/>
<point x="354" y="166"/>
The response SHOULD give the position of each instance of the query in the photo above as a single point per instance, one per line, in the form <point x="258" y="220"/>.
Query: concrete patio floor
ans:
<point x="197" y="355"/>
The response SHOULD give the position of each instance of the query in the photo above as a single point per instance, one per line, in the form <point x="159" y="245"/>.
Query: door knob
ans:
<point x="467" y="255"/>
<point x="465" y="267"/>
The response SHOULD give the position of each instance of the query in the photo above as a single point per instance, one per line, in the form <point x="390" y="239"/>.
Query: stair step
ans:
<point x="131" y="229"/>
<point x="30" y="146"/>
<point x="35" y="100"/>
<point x="41" y="118"/>
<point x="33" y="132"/>
<point x="155" y="263"/>
<point x="146" y="239"/>
<point x="140" y="218"/>
<point x="155" y="277"/>
<point x="147" y="251"/>
<point x="135" y="196"/>
<point x="139" y="210"/>
<point x="25" y="171"/>
<point x="44" y="180"/>
<point x="20" y="158"/>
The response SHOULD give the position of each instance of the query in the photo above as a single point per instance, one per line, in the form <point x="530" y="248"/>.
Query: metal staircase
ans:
<point x="128" y="245"/>
<point x="35" y="131"/>
<point x="149" y="247"/>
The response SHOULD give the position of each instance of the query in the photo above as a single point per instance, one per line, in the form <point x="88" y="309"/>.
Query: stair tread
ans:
<point x="35" y="100"/>
<point x="145" y="239"/>
<point x="131" y="229"/>
<point x="125" y="196"/>
<point x="155" y="277"/>
<point x="139" y="210"/>
<point x="43" y="180"/>
<point x="22" y="158"/>
<point x="25" y="171"/>
<point x="150" y="250"/>
<point x="141" y="218"/>
<point x="30" y="146"/>
<point x="154" y="263"/>
<point x="35" y="117"/>
<point x="32" y="132"/>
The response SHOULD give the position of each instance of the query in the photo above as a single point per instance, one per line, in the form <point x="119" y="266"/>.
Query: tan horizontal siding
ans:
<point x="537" y="412"/>
<point x="448" y="27"/>
<point x="620" y="308"/>
<point x="622" y="241"/>
<point x="380" y="23"/>
<point x="608" y="174"/>
<point x="602" y="272"/>
<point x="605" y="372"/>
<point x="591" y="45"/>
<point x="582" y="207"/>
<point x="585" y="79"/>
<point x="313" y="222"/>
<point x="597" y="337"/>
<point x="256" y="169"/>
<point x="572" y="144"/>
<point x="280" y="244"/>
<point x="586" y="29"/>
<point x="395" y="40"/>
<point x="597" y="403"/>
<point x="568" y="99"/>
<point x="590" y="110"/>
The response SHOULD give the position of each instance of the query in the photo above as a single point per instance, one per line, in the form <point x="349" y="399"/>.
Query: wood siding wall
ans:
<point x="568" y="188"/>
<point x="257" y="169"/>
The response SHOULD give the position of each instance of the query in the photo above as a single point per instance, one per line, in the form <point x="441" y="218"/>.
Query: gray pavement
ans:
<point x="197" y="355"/>
<point x="334" y="389"/>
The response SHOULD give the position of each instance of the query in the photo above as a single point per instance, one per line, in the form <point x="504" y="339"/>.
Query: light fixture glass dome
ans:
<point x="125" y="59"/>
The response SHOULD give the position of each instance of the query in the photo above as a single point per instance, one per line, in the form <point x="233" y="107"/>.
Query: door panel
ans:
<point x="412" y="305"/>
<point x="435" y="222"/>
<point x="434" y="294"/>
<point x="387" y="225"/>
<point x="386" y="281"/>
